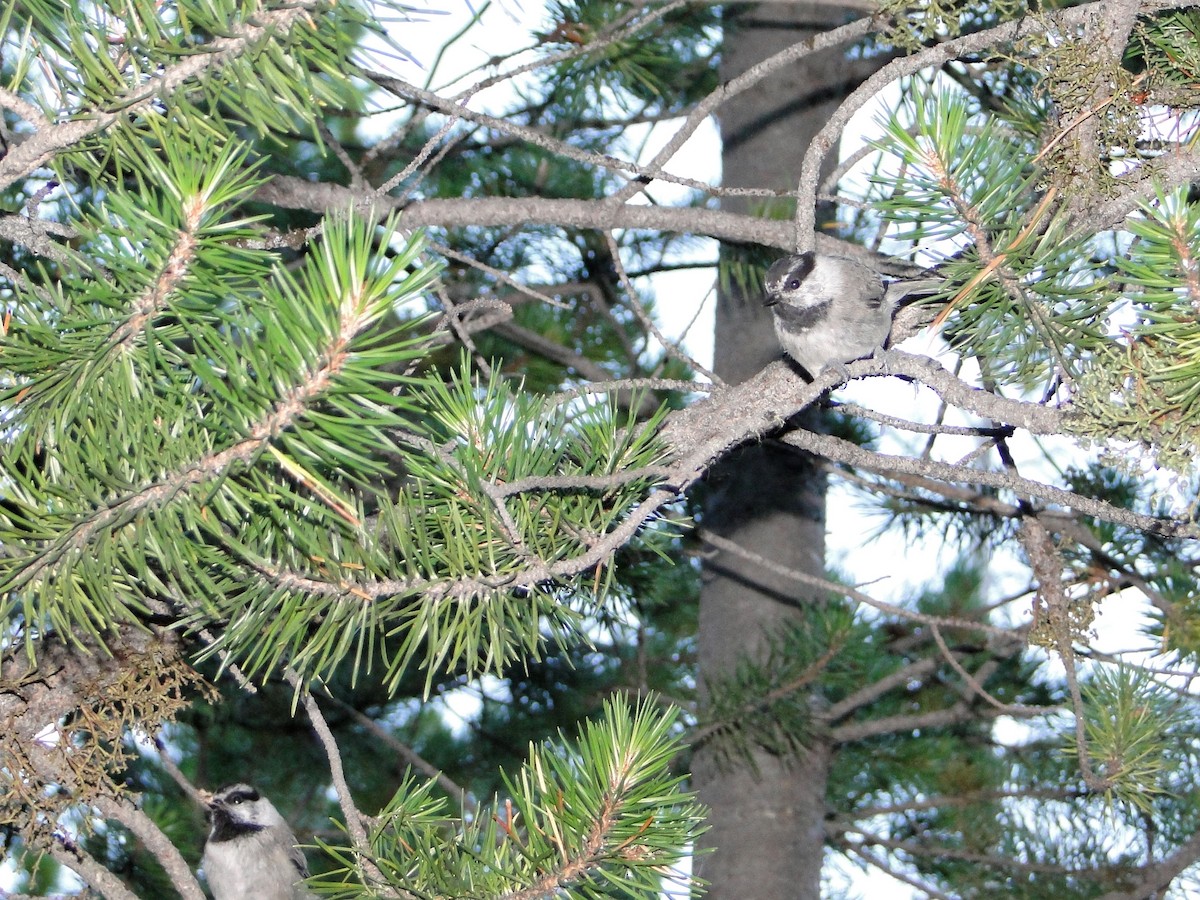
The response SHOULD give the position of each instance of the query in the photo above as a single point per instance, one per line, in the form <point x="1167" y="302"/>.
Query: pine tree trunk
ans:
<point x="766" y="826"/>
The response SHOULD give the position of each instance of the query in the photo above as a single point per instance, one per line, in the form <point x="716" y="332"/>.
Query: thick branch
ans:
<point x="96" y="876"/>
<point x="157" y="843"/>
<point x="732" y="415"/>
<point x="289" y="192"/>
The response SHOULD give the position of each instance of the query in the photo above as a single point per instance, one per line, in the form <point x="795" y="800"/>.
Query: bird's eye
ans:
<point x="793" y="284"/>
<point x="237" y="798"/>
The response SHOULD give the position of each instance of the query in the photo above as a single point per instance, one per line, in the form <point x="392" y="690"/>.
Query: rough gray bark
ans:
<point x="766" y="827"/>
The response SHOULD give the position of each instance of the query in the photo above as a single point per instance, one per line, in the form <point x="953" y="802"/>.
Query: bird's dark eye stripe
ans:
<point x="242" y="796"/>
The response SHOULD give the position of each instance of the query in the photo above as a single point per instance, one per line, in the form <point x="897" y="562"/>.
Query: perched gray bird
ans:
<point x="829" y="310"/>
<point x="251" y="853"/>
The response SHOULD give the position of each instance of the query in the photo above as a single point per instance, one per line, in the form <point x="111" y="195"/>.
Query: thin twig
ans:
<point x="1055" y="606"/>
<point x="884" y="866"/>
<point x="929" y="58"/>
<point x="905" y="724"/>
<point x="834" y="37"/>
<point x="337" y="773"/>
<point x="934" y="428"/>
<point x="848" y="591"/>
<point x="172" y="769"/>
<point x="847" y="452"/>
<point x="925" y="802"/>
<point x="943" y="851"/>
<point x="407" y="753"/>
<point x="673" y="350"/>
<point x="454" y="321"/>
<point x="1016" y="709"/>
<point x="634" y="384"/>
<point x="864" y="696"/>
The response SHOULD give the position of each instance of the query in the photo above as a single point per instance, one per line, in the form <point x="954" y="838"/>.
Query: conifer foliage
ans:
<point x="328" y="397"/>
<point x="222" y="446"/>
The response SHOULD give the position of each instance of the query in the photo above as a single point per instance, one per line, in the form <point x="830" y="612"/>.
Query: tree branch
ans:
<point x="933" y="58"/>
<point x="1015" y="709"/>
<point x="157" y="843"/>
<point x="290" y="192"/>
<point x="337" y="773"/>
<point x="866" y="695"/>
<point x="935" y="718"/>
<point x="852" y="593"/>
<point x="405" y="752"/>
<point x="910" y="805"/>
<point x="94" y="875"/>
<point x="762" y="404"/>
<point x="37" y="149"/>
<point x="883" y="865"/>
<point x="1156" y="878"/>
<point x="943" y="851"/>
<point x="844" y="451"/>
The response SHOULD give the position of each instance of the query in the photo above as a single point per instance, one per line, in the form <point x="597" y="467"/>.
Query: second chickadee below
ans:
<point x="251" y="852"/>
<point x="829" y="310"/>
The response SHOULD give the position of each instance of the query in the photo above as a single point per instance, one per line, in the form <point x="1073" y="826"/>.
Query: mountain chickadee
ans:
<point x="829" y="310"/>
<point x="251" y="853"/>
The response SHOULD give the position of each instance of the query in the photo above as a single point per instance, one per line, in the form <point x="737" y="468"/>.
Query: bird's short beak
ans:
<point x="770" y="299"/>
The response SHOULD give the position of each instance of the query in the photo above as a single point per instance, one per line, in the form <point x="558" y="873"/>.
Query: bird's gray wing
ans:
<point x="298" y="860"/>
<point x="903" y="292"/>
<point x="914" y="313"/>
